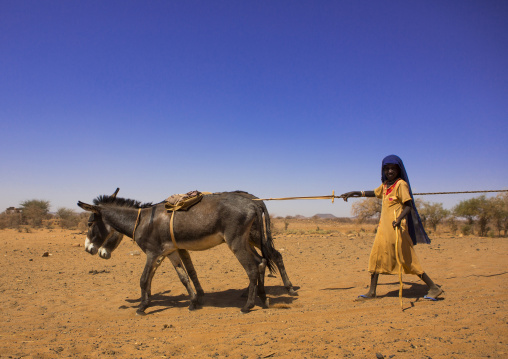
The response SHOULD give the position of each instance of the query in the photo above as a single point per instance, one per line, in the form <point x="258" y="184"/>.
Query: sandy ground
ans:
<point x="72" y="304"/>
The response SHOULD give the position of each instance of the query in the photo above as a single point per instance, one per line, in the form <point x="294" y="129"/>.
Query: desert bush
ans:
<point x="83" y="222"/>
<point x="367" y="208"/>
<point x="69" y="219"/>
<point x="466" y="229"/>
<point x="452" y="224"/>
<point x="10" y="220"/>
<point x="286" y="223"/>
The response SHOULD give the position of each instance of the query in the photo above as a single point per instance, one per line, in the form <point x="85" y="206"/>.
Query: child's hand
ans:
<point x="350" y="194"/>
<point x="396" y="223"/>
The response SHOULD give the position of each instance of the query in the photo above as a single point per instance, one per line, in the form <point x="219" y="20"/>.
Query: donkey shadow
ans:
<point x="230" y="298"/>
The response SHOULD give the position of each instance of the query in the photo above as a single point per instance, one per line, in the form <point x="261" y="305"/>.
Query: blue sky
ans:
<point x="278" y="98"/>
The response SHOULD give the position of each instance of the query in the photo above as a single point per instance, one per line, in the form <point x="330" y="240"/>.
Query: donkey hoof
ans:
<point x="247" y="308"/>
<point x="140" y="312"/>
<point x="266" y="303"/>
<point x="199" y="298"/>
<point x="292" y="292"/>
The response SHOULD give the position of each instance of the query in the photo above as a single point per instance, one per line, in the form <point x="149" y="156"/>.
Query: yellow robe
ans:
<point x="383" y="258"/>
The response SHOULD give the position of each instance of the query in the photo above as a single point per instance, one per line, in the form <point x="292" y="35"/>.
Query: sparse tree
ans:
<point x="467" y="210"/>
<point x="367" y="208"/>
<point x="478" y="209"/>
<point x="500" y="212"/>
<point x="34" y="211"/>
<point x="434" y="213"/>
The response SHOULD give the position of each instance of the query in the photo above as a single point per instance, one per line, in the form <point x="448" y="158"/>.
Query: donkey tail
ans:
<point x="265" y="232"/>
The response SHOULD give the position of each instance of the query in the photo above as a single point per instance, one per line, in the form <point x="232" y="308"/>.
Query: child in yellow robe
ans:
<point x="399" y="223"/>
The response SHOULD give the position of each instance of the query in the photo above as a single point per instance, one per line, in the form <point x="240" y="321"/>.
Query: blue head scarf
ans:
<point x="414" y="223"/>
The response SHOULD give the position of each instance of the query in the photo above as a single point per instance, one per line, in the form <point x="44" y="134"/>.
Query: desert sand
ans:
<point x="60" y="302"/>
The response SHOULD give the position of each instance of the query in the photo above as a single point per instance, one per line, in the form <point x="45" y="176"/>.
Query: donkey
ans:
<point x="224" y="217"/>
<point x="114" y="240"/>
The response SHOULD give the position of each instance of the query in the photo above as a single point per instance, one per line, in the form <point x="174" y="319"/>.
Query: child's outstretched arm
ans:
<point x="357" y="194"/>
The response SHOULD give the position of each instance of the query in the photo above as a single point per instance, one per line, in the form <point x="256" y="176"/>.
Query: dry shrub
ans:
<point x="69" y="219"/>
<point x="10" y="220"/>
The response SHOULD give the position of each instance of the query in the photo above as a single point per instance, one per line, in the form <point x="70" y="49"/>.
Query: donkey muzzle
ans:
<point x="90" y="247"/>
<point x="104" y="253"/>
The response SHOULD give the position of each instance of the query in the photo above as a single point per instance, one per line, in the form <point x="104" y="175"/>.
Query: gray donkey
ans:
<point x="105" y="249"/>
<point x="223" y="217"/>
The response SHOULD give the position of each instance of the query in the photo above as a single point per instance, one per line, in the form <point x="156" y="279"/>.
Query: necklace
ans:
<point x="390" y="189"/>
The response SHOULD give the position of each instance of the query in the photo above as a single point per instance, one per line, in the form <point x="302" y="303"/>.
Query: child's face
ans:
<point x="391" y="171"/>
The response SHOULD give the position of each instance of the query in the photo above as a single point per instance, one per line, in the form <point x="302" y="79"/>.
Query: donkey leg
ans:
<point x="261" y="283"/>
<point x="187" y="262"/>
<point x="146" y="281"/>
<point x="258" y="258"/>
<point x="184" y="278"/>
<point x="253" y="277"/>
<point x="152" y="273"/>
<point x="248" y="262"/>
<point x="282" y="270"/>
<point x="261" y="266"/>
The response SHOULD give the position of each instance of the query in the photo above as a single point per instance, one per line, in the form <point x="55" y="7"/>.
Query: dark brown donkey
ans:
<point x="224" y="217"/>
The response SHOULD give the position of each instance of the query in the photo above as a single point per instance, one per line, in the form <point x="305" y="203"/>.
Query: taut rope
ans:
<point x="333" y="196"/>
<point x="422" y="194"/>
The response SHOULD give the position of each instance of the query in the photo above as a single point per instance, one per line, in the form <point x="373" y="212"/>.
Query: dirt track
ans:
<point x="70" y="304"/>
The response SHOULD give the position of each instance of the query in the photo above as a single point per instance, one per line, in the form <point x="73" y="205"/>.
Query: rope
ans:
<point x="422" y="194"/>
<point x="332" y="197"/>
<point x="171" y="229"/>
<point x="136" y="224"/>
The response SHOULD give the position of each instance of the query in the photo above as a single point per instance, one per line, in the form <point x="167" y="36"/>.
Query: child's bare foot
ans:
<point x="434" y="293"/>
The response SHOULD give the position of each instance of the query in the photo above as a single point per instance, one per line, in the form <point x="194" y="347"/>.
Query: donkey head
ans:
<point x="98" y="231"/>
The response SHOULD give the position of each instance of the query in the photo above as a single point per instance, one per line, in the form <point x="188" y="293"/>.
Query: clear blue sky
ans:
<point x="278" y="98"/>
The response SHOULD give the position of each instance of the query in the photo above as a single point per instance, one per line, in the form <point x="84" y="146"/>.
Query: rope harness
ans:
<point x="181" y="202"/>
<point x="170" y="227"/>
<point x="136" y="224"/>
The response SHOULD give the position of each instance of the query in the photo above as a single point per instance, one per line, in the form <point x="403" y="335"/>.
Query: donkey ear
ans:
<point x="88" y="207"/>
<point x="114" y="194"/>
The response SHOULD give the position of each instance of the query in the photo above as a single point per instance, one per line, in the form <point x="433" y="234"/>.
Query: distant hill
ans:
<point x="325" y="215"/>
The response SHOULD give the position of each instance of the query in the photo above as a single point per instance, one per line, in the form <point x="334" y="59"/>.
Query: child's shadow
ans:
<point x="410" y="291"/>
